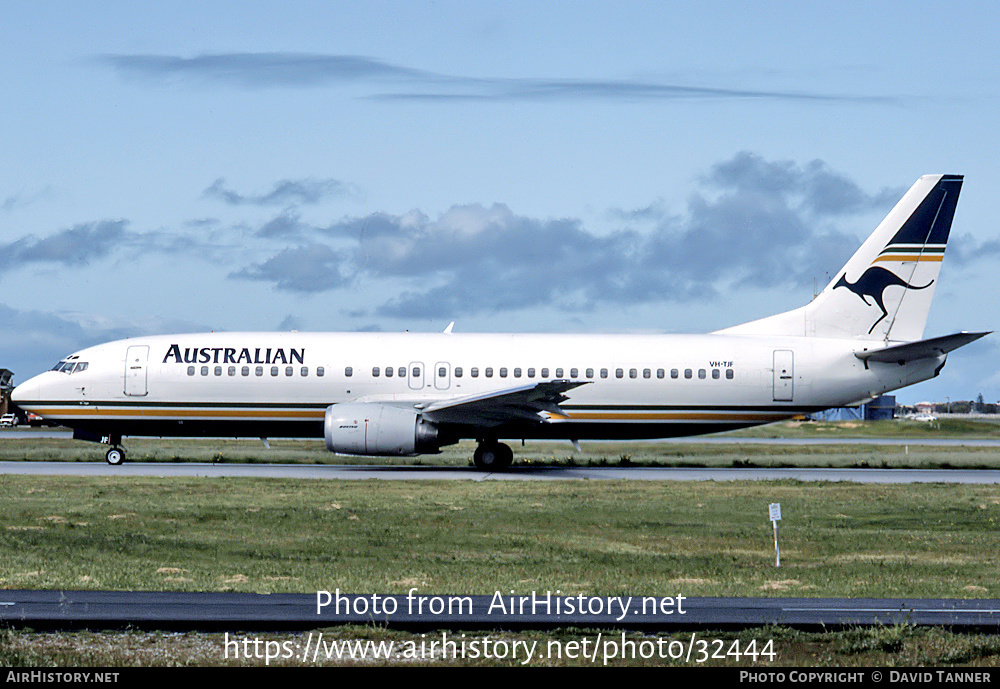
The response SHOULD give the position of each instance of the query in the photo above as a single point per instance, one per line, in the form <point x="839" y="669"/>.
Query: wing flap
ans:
<point x="523" y="403"/>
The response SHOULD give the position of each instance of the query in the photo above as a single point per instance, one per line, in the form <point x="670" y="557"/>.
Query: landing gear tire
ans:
<point x="115" y="456"/>
<point x="493" y="456"/>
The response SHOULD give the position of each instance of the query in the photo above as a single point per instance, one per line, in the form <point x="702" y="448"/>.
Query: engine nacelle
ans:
<point x="359" y="428"/>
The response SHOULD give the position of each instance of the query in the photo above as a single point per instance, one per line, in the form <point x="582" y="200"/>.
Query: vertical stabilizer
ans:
<point x="884" y="292"/>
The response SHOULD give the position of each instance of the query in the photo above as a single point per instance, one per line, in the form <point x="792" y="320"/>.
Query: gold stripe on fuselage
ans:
<point x="118" y="412"/>
<point x="672" y="416"/>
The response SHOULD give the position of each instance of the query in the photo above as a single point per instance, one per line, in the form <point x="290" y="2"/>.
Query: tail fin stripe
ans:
<point x="908" y="257"/>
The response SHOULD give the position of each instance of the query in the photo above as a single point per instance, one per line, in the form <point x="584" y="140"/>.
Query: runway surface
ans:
<point x="45" y="610"/>
<point x="421" y="473"/>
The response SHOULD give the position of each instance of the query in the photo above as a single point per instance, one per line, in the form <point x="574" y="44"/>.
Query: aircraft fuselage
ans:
<point x="280" y="384"/>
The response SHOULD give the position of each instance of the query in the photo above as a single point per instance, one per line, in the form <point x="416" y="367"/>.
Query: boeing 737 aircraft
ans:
<point x="405" y="394"/>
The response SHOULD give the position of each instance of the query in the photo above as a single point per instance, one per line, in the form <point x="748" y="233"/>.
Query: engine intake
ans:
<point x="359" y="428"/>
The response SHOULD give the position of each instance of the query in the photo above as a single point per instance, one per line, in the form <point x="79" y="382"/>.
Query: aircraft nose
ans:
<point x="25" y="392"/>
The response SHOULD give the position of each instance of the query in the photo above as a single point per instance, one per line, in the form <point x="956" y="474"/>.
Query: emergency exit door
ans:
<point x="416" y="375"/>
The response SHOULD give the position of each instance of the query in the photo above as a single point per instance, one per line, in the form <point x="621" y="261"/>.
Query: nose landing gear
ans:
<point x="115" y="456"/>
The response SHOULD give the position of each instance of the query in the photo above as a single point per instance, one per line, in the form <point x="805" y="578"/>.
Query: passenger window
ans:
<point x="687" y="373"/>
<point x="673" y="373"/>
<point x="442" y="372"/>
<point x="619" y="373"/>
<point x="458" y="371"/>
<point x="218" y="370"/>
<point x="304" y="371"/>
<point x="715" y="374"/>
<point x="559" y="373"/>
<point x="604" y="373"/>
<point x="633" y="373"/>
<point x="517" y="373"/>
<point x="503" y="372"/>
<point x="474" y="372"/>
<point x="289" y="371"/>
<point x="388" y="371"/>
<point x="416" y="371"/>
<point x="274" y="370"/>
<point x="232" y="370"/>
<point x="590" y="373"/>
<point x="375" y="371"/>
<point x="489" y="372"/>
<point x="729" y="374"/>
<point x="402" y="372"/>
<point x="190" y="370"/>
<point x="531" y="373"/>
<point x="245" y="371"/>
<point x="575" y="373"/>
<point x="659" y="372"/>
<point x="259" y="371"/>
<point x="646" y="373"/>
<point x="348" y="372"/>
<point x="204" y="370"/>
<point x="320" y="371"/>
<point x="701" y="374"/>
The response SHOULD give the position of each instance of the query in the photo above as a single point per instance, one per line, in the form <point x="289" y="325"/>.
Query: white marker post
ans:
<point x="775" y="511"/>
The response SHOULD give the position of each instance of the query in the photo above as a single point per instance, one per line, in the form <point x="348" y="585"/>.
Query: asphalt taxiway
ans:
<point x="47" y="610"/>
<point x="424" y="473"/>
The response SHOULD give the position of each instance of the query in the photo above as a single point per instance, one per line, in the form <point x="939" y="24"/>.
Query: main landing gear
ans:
<point x="491" y="455"/>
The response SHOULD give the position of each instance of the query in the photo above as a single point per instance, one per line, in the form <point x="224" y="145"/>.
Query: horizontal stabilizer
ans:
<point x="921" y="349"/>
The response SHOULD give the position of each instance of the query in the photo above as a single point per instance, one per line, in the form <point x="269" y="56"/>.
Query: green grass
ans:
<point x="878" y="647"/>
<point x="596" y="538"/>
<point x="985" y="427"/>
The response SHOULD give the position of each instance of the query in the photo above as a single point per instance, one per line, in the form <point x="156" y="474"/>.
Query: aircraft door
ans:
<point x="135" y="370"/>
<point x="416" y="375"/>
<point x="784" y="373"/>
<point x="442" y="375"/>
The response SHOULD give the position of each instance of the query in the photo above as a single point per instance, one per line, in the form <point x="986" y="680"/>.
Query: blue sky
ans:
<point x="568" y="167"/>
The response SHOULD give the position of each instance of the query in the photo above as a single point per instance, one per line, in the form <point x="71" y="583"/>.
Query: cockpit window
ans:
<point x="70" y="365"/>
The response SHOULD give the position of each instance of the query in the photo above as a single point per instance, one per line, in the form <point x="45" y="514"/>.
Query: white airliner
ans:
<point x="405" y="394"/>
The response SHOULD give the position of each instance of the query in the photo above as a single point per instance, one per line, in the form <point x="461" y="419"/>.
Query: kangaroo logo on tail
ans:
<point x="873" y="283"/>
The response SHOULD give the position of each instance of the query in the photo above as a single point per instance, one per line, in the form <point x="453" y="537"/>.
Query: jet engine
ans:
<point x="358" y="428"/>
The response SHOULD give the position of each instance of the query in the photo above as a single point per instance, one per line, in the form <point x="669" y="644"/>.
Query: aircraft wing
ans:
<point x="503" y="406"/>
<point x="921" y="349"/>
